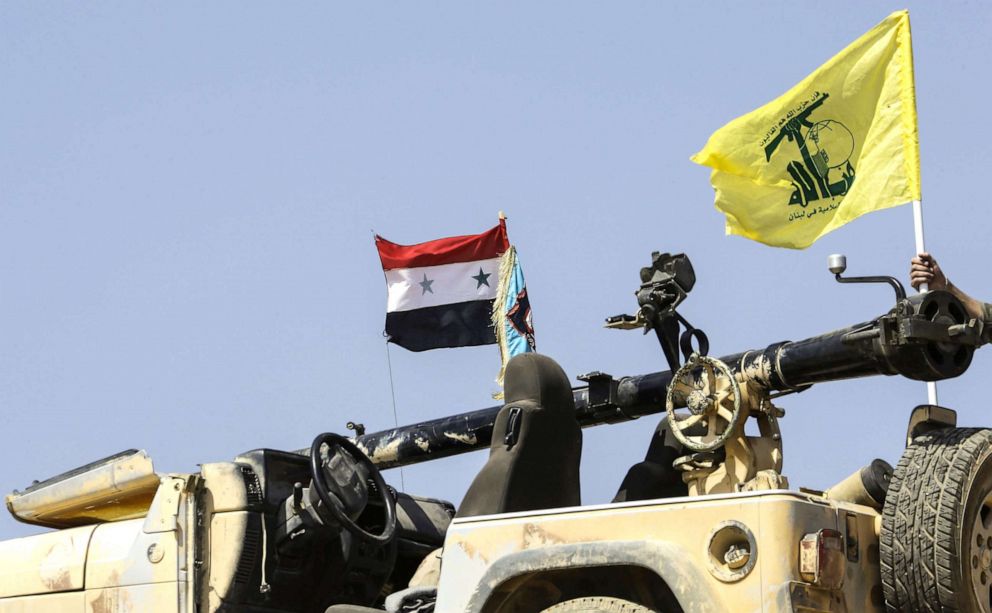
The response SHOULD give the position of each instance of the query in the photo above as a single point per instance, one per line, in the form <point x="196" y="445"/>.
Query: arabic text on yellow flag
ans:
<point x="841" y="143"/>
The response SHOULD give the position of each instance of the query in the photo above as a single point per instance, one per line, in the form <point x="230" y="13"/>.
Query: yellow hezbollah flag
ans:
<point x="841" y="143"/>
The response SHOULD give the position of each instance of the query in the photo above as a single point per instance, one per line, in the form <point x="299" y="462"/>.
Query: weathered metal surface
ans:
<point x="44" y="563"/>
<point x="227" y="544"/>
<point x="120" y="487"/>
<point x="437" y="438"/>
<point x="810" y="599"/>
<point x="147" y="598"/>
<point x="119" y="556"/>
<point x="481" y="553"/>
<point x="224" y="484"/>
<point x="664" y="558"/>
<point x="45" y="603"/>
<point x="163" y="513"/>
<point x="926" y="418"/>
<point x="134" y="565"/>
<point x="877" y="347"/>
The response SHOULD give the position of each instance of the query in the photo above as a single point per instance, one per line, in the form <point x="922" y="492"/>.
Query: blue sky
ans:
<point x="188" y="194"/>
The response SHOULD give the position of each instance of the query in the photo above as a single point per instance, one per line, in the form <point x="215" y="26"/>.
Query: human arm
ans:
<point x="924" y="269"/>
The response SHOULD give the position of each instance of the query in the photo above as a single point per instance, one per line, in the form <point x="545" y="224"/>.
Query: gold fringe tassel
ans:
<point x="506" y="263"/>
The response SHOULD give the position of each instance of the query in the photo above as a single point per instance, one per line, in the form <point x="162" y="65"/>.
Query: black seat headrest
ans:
<point x="536" y="377"/>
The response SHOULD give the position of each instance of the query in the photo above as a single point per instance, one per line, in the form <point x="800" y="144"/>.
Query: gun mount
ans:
<point x="664" y="286"/>
<point x="925" y="337"/>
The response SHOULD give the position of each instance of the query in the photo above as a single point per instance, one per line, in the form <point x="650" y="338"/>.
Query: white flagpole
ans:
<point x="924" y="287"/>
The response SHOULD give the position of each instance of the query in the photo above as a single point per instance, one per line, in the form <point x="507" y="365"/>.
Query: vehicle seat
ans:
<point x="656" y="476"/>
<point x="536" y="445"/>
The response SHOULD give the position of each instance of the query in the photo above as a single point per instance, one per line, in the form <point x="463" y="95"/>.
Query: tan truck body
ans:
<point x="169" y="562"/>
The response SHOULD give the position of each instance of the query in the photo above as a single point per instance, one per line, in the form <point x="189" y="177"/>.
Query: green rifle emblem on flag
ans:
<point x="825" y="146"/>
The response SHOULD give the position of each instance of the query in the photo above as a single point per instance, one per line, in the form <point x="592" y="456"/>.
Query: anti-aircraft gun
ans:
<point x="926" y="337"/>
<point x="301" y="531"/>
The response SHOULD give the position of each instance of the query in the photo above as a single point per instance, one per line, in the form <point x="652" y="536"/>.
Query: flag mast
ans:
<point x="918" y="201"/>
<point x="924" y="287"/>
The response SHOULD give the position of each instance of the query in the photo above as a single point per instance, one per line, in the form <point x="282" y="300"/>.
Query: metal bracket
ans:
<point x="927" y="418"/>
<point x="164" y="512"/>
<point x="603" y="397"/>
<point x="626" y="322"/>
<point x="602" y="389"/>
<point x="969" y="333"/>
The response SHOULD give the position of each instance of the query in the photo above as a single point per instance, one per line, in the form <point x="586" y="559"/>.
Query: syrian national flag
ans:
<point x="441" y="293"/>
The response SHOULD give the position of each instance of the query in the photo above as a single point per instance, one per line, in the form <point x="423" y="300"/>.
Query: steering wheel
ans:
<point x="349" y="469"/>
<point x="711" y="400"/>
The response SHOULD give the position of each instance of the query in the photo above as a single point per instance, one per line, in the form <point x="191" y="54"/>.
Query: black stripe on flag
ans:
<point x="462" y="324"/>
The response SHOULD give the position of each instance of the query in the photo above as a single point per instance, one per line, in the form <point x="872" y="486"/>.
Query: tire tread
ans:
<point x="920" y="545"/>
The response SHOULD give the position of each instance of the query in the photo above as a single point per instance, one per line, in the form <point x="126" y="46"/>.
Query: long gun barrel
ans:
<point x="925" y="337"/>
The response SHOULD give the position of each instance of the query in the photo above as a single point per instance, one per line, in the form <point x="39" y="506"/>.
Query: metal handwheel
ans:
<point x="703" y="403"/>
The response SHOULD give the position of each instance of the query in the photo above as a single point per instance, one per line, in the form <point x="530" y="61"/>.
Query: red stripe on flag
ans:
<point x="490" y="244"/>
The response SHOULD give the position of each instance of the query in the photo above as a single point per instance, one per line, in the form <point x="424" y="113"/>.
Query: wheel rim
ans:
<point x="980" y="558"/>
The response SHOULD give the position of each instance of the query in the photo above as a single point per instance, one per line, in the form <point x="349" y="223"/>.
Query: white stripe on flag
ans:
<point x="427" y="286"/>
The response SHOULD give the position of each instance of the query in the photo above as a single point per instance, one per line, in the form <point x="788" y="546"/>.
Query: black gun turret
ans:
<point x="926" y="337"/>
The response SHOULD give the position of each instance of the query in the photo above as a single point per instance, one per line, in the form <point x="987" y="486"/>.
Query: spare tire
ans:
<point x="936" y="541"/>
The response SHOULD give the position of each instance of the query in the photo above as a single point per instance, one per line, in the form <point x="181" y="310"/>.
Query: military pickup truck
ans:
<point x="706" y="523"/>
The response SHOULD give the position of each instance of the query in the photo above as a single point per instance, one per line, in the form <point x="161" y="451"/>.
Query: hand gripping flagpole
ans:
<point x="924" y="287"/>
